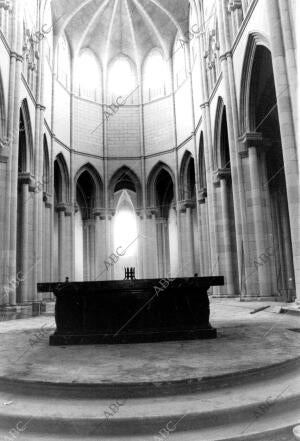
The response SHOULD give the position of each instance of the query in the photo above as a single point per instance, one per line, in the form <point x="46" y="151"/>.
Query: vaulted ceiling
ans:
<point x="113" y="27"/>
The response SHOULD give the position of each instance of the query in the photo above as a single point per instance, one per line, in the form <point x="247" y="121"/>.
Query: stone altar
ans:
<point x="131" y="311"/>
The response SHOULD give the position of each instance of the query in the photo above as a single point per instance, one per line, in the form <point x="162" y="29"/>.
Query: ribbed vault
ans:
<point x="113" y="27"/>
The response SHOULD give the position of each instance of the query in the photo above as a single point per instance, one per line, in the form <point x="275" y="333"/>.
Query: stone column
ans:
<point x="61" y="208"/>
<point x="152" y="244"/>
<point x="110" y="273"/>
<point x="201" y="239"/>
<point x="224" y="175"/>
<point x="290" y="56"/>
<point x="254" y="141"/>
<point x="287" y="249"/>
<point x="86" y="244"/>
<point x="287" y="129"/>
<point x="13" y="116"/>
<point x="92" y="255"/>
<point x="189" y="260"/>
<point x="24" y="182"/>
<point x="97" y="244"/>
<point x="47" y="236"/>
<point x="239" y="200"/>
<point x="160" y="246"/>
<point x="139" y="245"/>
<point x="205" y="256"/>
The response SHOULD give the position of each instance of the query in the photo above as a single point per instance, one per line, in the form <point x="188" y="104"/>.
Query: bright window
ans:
<point x="121" y="80"/>
<point x="88" y="76"/>
<point x="179" y="62"/>
<point x="63" y="62"/>
<point x="125" y="226"/>
<point x="154" y="76"/>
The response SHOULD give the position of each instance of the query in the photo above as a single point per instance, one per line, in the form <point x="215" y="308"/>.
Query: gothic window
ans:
<point x="154" y="76"/>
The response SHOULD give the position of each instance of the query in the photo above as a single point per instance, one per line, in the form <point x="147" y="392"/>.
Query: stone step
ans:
<point x="145" y="389"/>
<point x="229" y="413"/>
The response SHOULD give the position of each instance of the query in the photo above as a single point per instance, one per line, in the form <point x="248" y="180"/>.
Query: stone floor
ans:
<point x="245" y="342"/>
<point x="243" y="386"/>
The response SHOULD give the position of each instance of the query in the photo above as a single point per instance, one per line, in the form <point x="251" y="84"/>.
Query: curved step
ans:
<point x="237" y="411"/>
<point x="146" y="389"/>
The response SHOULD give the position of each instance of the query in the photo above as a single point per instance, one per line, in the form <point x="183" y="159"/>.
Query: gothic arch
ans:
<point x="97" y="182"/>
<point x="255" y="40"/>
<point x="202" y="164"/>
<point x="46" y="167"/>
<point x="221" y="157"/>
<point x="125" y="178"/>
<point x="62" y="179"/>
<point x="152" y="179"/>
<point x="26" y="128"/>
<point x="2" y="109"/>
<point x="187" y="176"/>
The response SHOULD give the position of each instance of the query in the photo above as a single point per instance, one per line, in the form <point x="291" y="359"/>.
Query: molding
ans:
<point x="198" y="125"/>
<point x="29" y="91"/>
<point x="244" y="25"/>
<point x="3" y="159"/>
<point x="62" y="144"/>
<point x="47" y="127"/>
<point x="5" y="42"/>
<point x="214" y="90"/>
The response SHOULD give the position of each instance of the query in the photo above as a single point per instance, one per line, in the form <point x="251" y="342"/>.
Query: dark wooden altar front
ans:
<point x="131" y="310"/>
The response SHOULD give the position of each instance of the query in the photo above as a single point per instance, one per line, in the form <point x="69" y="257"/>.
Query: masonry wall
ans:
<point x="142" y="136"/>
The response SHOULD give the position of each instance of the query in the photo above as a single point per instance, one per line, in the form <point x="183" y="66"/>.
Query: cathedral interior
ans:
<point x="159" y="136"/>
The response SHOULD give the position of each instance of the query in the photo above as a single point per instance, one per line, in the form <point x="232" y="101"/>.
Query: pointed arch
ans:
<point x="2" y="109"/>
<point x="187" y="176"/>
<point x="202" y="164"/>
<point x="46" y="167"/>
<point x="152" y="180"/>
<point x="97" y="182"/>
<point x="61" y="179"/>
<point x="125" y="178"/>
<point x="255" y="39"/>
<point x="26" y="141"/>
<point x="221" y="156"/>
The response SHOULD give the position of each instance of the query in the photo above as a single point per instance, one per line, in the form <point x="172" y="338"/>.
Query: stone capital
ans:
<point x="223" y="173"/>
<point x="47" y="198"/>
<point x="202" y="195"/>
<point x="99" y="212"/>
<point x="189" y="203"/>
<point x="253" y="140"/>
<point x="234" y="4"/>
<point x="27" y="178"/>
<point x="61" y="207"/>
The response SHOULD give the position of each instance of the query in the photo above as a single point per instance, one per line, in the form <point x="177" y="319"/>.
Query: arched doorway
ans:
<point x="263" y="119"/>
<point x="189" y="227"/>
<point x="24" y="264"/>
<point x="161" y="196"/>
<point x="46" y="187"/>
<point x="89" y="241"/>
<point x="85" y="228"/>
<point x="127" y="239"/>
<point x="60" y="231"/>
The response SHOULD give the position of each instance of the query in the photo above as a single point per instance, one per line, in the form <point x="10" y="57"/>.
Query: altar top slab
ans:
<point x="133" y="284"/>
